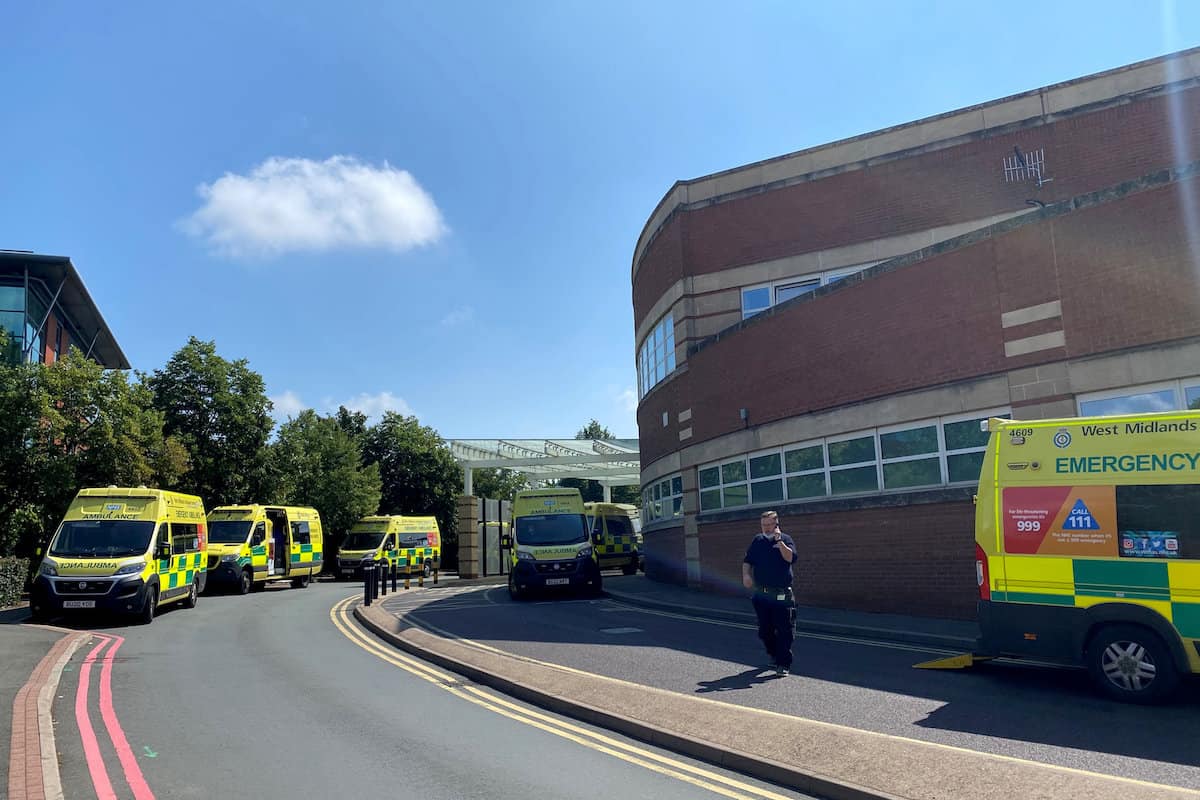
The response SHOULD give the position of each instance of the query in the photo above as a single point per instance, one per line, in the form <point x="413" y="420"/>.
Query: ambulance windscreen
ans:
<point x="109" y="538"/>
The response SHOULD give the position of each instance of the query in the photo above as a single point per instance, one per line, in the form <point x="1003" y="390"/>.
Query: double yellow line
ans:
<point x="340" y="615"/>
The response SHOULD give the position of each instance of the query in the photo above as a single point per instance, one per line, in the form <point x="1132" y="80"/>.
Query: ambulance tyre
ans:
<point x="245" y="582"/>
<point x="428" y="568"/>
<point x="190" y="600"/>
<point x="513" y="591"/>
<point x="147" y="614"/>
<point x="1131" y="664"/>
<point x="301" y="582"/>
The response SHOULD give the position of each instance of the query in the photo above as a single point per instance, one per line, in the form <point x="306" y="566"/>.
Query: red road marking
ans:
<point x="25" y="779"/>
<point x="91" y="747"/>
<point x="133" y="773"/>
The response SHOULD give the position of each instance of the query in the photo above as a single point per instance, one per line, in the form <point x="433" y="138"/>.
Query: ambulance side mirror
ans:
<point x="163" y="551"/>
<point x="506" y="541"/>
<point x="38" y="552"/>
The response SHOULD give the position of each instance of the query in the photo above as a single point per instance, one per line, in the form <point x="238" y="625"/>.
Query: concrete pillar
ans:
<point x="470" y="549"/>
<point x="607" y="493"/>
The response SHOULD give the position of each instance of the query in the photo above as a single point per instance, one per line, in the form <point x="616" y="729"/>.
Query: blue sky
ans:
<point x="432" y="207"/>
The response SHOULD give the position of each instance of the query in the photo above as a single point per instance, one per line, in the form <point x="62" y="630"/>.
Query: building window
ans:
<point x="937" y="452"/>
<point x="758" y="298"/>
<point x="1172" y="396"/>
<point x="656" y="356"/>
<point x="663" y="500"/>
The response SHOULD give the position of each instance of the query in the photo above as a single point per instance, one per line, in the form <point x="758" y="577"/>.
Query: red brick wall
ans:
<point x="917" y="559"/>
<point x="1083" y="153"/>
<point x="929" y="323"/>
<point x="1127" y="272"/>
<point x="665" y="560"/>
<point x="672" y="397"/>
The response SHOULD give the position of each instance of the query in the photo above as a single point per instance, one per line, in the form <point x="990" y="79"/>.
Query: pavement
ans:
<point x="811" y="755"/>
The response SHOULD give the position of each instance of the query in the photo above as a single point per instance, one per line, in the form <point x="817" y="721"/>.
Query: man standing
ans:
<point x="767" y="569"/>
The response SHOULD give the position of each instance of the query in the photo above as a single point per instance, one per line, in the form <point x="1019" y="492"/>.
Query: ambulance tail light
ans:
<point x="981" y="574"/>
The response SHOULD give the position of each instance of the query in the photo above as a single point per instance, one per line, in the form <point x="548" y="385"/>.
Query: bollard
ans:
<point x="378" y="580"/>
<point x="421" y="575"/>
<point x="366" y="587"/>
<point x="435" y="574"/>
<point x="395" y="571"/>
<point x="383" y="578"/>
<point x="407" y="575"/>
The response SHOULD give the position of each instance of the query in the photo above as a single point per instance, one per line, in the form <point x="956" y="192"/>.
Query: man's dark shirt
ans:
<point x="767" y="564"/>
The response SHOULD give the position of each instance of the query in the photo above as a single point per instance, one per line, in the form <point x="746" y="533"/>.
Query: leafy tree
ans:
<point x="220" y="413"/>
<point x="320" y="465"/>
<point x="418" y="474"/>
<point x="354" y="423"/>
<point x="69" y="425"/>
<point x="591" y="490"/>
<point x="498" y="484"/>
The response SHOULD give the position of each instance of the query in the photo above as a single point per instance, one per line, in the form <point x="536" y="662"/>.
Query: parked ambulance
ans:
<point x="551" y="545"/>
<point x="1087" y="536"/>
<point x="252" y="545"/>
<point x="123" y="550"/>
<point x="411" y="545"/>
<point x="616" y="533"/>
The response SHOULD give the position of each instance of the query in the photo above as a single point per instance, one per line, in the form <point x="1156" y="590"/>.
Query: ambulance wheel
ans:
<point x="1131" y="664"/>
<point x="513" y="591"/>
<point x="245" y="582"/>
<point x="428" y="568"/>
<point x="147" y="614"/>
<point x="190" y="600"/>
<point x="301" y="582"/>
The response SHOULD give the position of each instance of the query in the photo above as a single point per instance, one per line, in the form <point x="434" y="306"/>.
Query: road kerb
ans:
<point x="381" y="622"/>
<point x="821" y="758"/>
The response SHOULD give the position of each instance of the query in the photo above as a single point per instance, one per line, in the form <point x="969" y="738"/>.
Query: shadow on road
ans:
<point x="1044" y="706"/>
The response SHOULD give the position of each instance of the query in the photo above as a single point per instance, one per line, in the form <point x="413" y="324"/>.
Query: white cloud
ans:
<point x="373" y="405"/>
<point x="458" y="316"/>
<point x="296" y="204"/>
<point x="287" y="405"/>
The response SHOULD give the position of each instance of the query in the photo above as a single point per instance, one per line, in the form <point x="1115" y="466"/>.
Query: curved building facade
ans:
<point x="822" y="333"/>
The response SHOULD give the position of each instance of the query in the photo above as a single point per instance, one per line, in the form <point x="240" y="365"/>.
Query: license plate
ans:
<point x="558" y="581"/>
<point x="79" y="604"/>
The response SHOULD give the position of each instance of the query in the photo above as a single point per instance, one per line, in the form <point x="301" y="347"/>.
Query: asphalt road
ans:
<point x="1040" y="714"/>
<point x="271" y="696"/>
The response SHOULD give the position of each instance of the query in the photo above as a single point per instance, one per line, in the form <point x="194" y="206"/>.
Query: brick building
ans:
<point x="821" y="333"/>
<point x="45" y="309"/>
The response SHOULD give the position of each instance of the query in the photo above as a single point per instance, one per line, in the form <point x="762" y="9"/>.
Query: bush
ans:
<point x="13" y="574"/>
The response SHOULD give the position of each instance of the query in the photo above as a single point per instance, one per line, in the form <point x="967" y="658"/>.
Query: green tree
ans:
<point x="591" y="490"/>
<point x="220" y="413"/>
<point x="498" y="484"/>
<point x="418" y="474"/>
<point x="70" y="425"/>
<point x="320" y="465"/>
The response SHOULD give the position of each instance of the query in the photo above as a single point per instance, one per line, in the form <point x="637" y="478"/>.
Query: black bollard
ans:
<point x="383" y="578"/>
<point x="395" y="572"/>
<point x="366" y="587"/>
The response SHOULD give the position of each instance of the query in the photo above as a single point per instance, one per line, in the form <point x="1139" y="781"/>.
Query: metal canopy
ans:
<point x="611" y="462"/>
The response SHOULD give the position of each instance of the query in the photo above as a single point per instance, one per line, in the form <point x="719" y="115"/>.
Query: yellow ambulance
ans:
<point x="550" y="545"/>
<point x="252" y="545"/>
<point x="409" y="544"/>
<point x="616" y="533"/>
<point x="1087" y="547"/>
<point x="125" y="550"/>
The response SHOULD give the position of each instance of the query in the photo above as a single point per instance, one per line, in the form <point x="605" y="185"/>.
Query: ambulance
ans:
<point x="250" y="546"/>
<point x="1087" y="547"/>
<point x="411" y="545"/>
<point x="616" y="532"/>
<point x="123" y="550"/>
<point x="550" y="545"/>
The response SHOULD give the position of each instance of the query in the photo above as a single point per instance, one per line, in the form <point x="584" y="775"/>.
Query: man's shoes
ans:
<point x="781" y="672"/>
<point x="770" y="666"/>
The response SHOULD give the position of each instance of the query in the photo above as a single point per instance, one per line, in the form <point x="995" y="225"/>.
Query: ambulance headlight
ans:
<point x="229" y="558"/>
<point x="49" y="568"/>
<point x="131" y="569"/>
<point x="524" y="555"/>
<point x="585" y="552"/>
